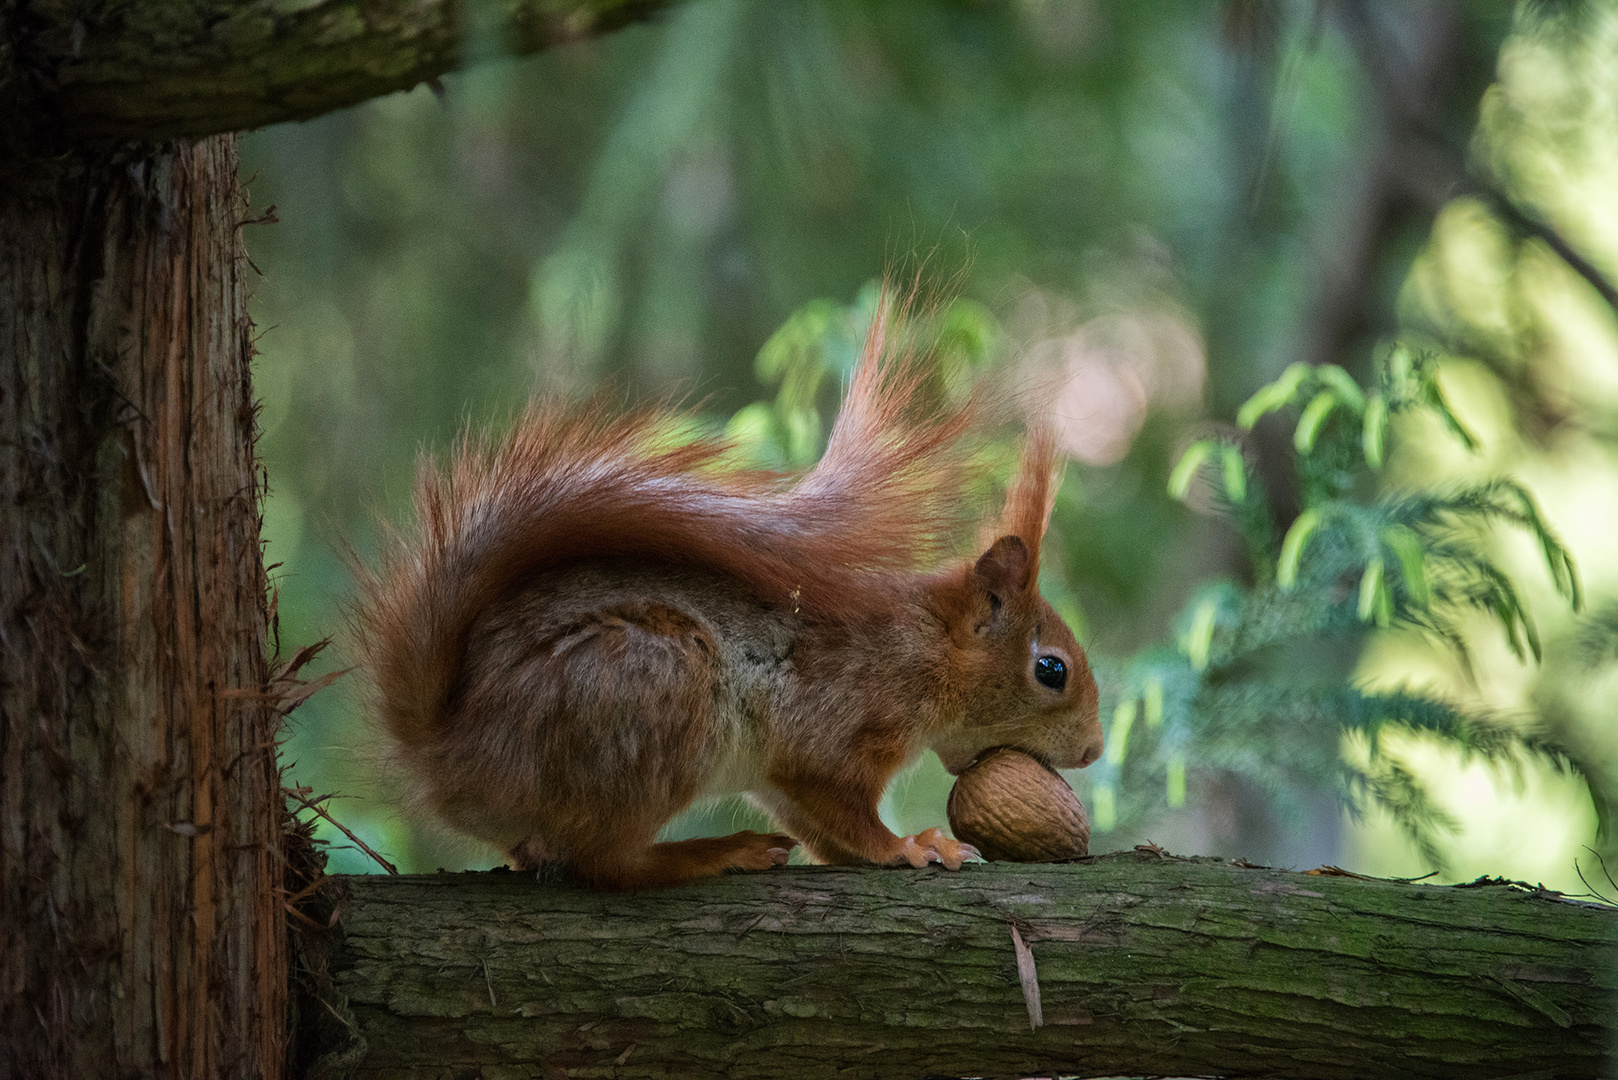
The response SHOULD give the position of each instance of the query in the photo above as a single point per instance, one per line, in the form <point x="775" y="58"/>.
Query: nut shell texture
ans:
<point x="1015" y="808"/>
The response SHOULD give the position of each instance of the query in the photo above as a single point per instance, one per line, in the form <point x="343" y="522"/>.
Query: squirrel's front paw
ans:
<point x="933" y="846"/>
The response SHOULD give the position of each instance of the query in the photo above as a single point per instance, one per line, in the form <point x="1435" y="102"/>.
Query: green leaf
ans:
<point x="1406" y="545"/>
<point x="799" y="343"/>
<point x="802" y="435"/>
<point x="1343" y="385"/>
<point x="1286" y="570"/>
<point x="1152" y="702"/>
<point x="1199" y="639"/>
<point x="968" y="330"/>
<point x="1104" y="811"/>
<point x="753" y="427"/>
<point x="1370" y="589"/>
<point x="1186" y="470"/>
<point x="1123" y="718"/>
<point x="1176" y="782"/>
<point x="1272" y="396"/>
<point x="1557" y="558"/>
<point x="1434" y="397"/>
<point x="1374" y="429"/>
<point x="1400" y="365"/>
<point x="1235" y="474"/>
<point x="1314" y="415"/>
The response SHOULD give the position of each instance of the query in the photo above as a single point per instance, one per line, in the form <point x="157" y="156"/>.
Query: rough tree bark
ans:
<point x="141" y="919"/>
<point x="160" y="69"/>
<point x="138" y="789"/>
<point x="1139" y="963"/>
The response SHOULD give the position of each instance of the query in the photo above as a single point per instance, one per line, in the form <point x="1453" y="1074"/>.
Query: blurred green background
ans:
<point x="1167" y="202"/>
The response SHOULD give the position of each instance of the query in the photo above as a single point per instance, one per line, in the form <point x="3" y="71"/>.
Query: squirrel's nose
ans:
<point x="1092" y="752"/>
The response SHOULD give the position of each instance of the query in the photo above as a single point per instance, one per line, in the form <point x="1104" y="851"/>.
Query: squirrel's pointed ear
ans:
<point x="1004" y="568"/>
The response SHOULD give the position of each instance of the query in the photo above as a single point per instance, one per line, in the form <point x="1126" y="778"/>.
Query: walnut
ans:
<point x="1013" y="807"/>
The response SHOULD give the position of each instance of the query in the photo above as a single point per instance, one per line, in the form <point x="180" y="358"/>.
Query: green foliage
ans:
<point x="1597" y="641"/>
<point x="646" y="209"/>
<point x="1242" y="689"/>
<point x="1237" y="692"/>
<point x="816" y="350"/>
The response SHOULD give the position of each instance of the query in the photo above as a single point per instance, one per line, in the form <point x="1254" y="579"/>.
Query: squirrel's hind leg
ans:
<point x="668" y="863"/>
<point x="617" y="716"/>
<point x="677" y="861"/>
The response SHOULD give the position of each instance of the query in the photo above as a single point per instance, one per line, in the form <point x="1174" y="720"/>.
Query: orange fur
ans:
<point x="593" y="626"/>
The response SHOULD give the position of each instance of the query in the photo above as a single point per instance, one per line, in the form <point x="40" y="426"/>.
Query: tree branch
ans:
<point x="1141" y="964"/>
<point x="1432" y="167"/>
<point x="1524" y="223"/>
<point x="155" y="71"/>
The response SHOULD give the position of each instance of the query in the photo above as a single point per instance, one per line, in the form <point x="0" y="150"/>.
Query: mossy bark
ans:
<point x="1140" y="964"/>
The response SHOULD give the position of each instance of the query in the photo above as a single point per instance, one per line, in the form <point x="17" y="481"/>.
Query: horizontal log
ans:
<point x="154" y="71"/>
<point x="1129" y="964"/>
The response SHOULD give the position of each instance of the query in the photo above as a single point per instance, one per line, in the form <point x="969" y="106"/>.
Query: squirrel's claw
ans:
<point x="759" y="851"/>
<point x="933" y="846"/>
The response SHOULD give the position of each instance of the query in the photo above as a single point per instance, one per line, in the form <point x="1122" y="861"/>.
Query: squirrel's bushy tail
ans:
<point x="575" y="485"/>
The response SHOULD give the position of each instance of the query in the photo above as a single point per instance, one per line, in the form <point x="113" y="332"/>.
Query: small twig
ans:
<point x="296" y="914"/>
<point x="1029" y="978"/>
<point x="345" y="1021"/>
<point x="1413" y="117"/>
<point x="1338" y="871"/>
<point x="308" y="889"/>
<point x="1604" y="871"/>
<point x="266" y="218"/>
<point x="1594" y="892"/>
<point x="1534" y="1000"/>
<point x="363" y="846"/>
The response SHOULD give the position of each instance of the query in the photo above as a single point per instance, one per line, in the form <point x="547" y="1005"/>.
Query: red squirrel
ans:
<point x="593" y="626"/>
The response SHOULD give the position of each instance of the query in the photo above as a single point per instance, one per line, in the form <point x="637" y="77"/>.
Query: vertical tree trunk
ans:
<point x="139" y="858"/>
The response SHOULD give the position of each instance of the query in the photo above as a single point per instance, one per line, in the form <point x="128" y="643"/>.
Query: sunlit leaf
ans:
<point x="1235" y="473"/>
<point x="1370" y="590"/>
<point x="1186" y="470"/>
<point x="1373" y="430"/>
<point x="1309" y="423"/>
<point x="1123" y="718"/>
<point x="1286" y="568"/>
<point x="1343" y="385"/>
<point x="1275" y="395"/>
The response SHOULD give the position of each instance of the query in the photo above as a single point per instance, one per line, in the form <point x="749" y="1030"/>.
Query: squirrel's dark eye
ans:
<point x="1051" y="672"/>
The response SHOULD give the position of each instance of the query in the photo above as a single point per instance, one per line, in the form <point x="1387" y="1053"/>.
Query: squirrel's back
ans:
<point x="578" y="485"/>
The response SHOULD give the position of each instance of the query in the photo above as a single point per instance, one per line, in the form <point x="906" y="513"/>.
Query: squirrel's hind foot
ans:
<point x="760" y="851"/>
<point x="528" y="854"/>
<point x="679" y="861"/>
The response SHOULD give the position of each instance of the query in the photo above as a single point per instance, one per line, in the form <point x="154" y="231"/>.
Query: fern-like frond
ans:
<point x="1231" y="698"/>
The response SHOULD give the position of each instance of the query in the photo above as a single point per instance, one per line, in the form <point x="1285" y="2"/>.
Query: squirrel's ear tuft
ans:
<point x="1005" y="568"/>
<point x="1032" y="494"/>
